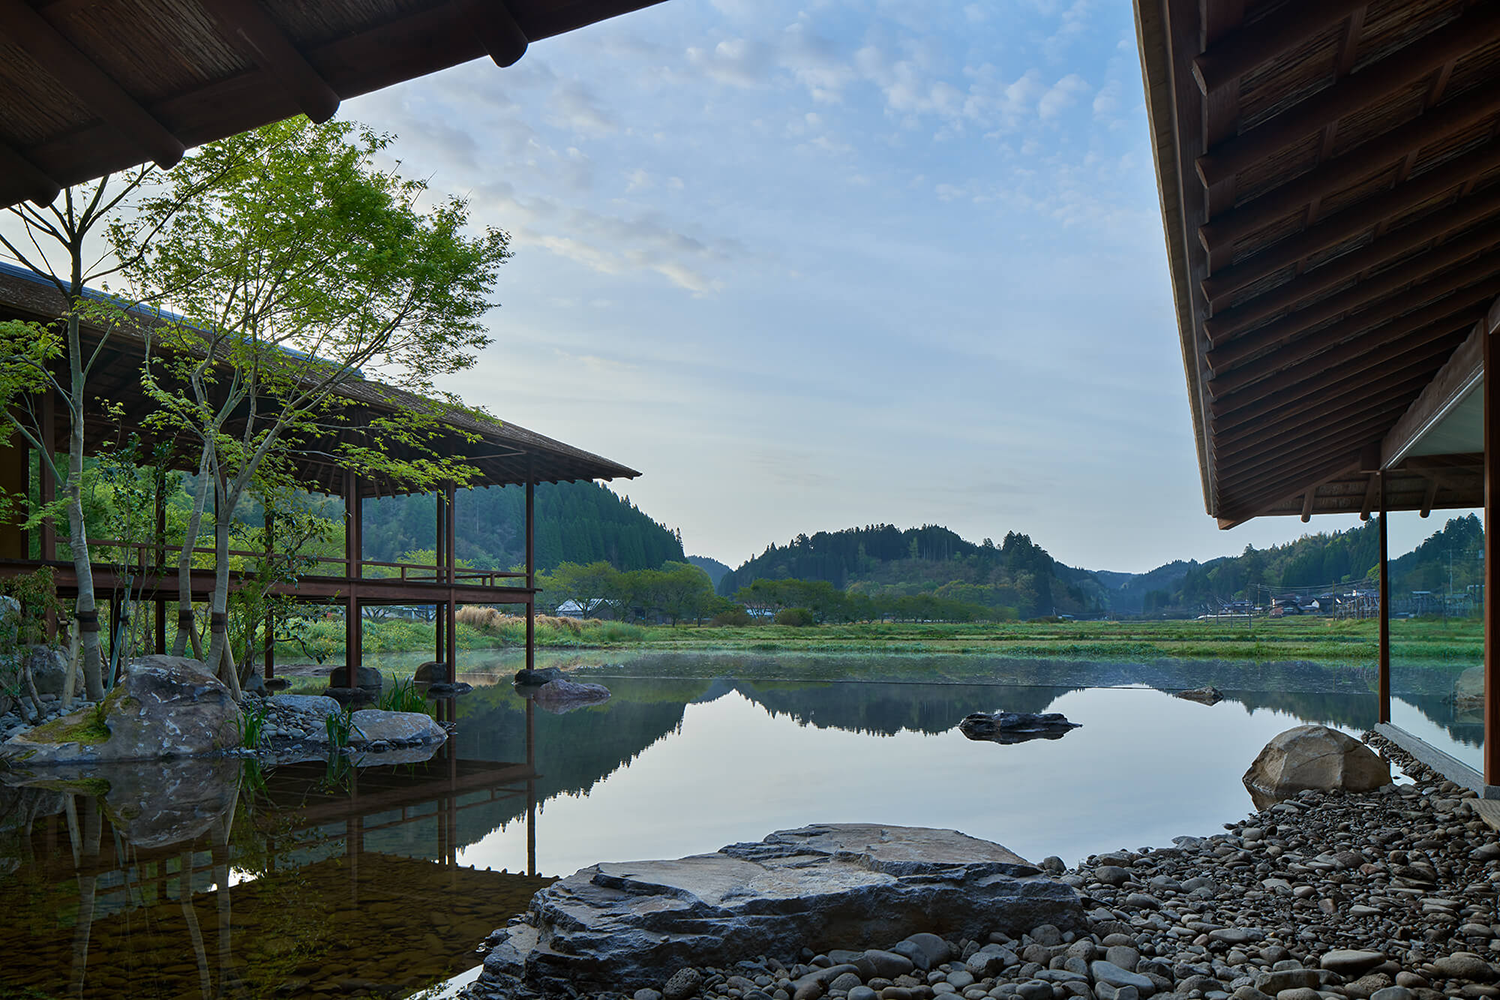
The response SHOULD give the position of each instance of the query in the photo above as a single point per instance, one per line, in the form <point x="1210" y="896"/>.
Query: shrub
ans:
<point x="795" y="617"/>
<point x="737" y="618"/>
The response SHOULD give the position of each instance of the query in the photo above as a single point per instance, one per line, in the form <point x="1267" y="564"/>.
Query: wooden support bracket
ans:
<point x="259" y="38"/>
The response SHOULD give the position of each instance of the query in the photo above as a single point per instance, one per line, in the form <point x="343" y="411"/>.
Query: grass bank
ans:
<point x="1452" y="641"/>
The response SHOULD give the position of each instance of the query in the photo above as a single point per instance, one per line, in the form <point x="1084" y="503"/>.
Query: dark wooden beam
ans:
<point x="1368" y="87"/>
<point x="1491" y="561"/>
<point x="1474" y="213"/>
<point x="1450" y="384"/>
<point x="498" y="31"/>
<point x="27" y="177"/>
<point x="1219" y="19"/>
<point x="1383" y="670"/>
<point x="1244" y="505"/>
<point x="1224" y="62"/>
<point x="1286" y="442"/>
<point x="1415" y="311"/>
<point x="74" y="71"/>
<point x="1320" y="407"/>
<point x="1352" y="221"/>
<point x="1350" y="167"/>
<point x="1334" y="384"/>
<point x="264" y="43"/>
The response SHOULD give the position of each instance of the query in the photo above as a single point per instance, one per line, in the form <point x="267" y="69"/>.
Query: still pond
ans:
<point x="213" y="879"/>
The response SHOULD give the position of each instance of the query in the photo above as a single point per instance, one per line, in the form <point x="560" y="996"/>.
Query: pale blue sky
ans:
<point x="812" y="266"/>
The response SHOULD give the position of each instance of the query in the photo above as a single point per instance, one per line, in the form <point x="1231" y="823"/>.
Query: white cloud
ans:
<point x="1062" y="95"/>
<point x="738" y="62"/>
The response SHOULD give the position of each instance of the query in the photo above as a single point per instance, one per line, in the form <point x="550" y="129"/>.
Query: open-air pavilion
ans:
<point x="145" y="569"/>
<point x="1327" y="174"/>
<point x="89" y="89"/>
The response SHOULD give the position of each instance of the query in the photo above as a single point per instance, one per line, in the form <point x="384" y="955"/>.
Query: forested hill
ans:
<point x="1017" y="577"/>
<point x="711" y="566"/>
<point x="575" y="522"/>
<point x="1451" y="555"/>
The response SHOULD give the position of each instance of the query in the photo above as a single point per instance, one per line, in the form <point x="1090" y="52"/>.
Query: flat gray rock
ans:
<point x="372" y="725"/>
<point x="624" y="926"/>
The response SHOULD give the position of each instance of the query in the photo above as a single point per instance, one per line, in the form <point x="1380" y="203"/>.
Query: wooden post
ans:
<point x="270" y="650"/>
<point x="1491" y="564"/>
<point x="15" y="477"/>
<point x="530" y="570"/>
<point x="160" y="625"/>
<point x="450" y="573"/>
<point x="353" y="551"/>
<point x="440" y="614"/>
<point x="1385" y="607"/>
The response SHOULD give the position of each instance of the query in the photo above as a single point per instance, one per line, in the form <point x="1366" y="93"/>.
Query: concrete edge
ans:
<point x="1449" y="767"/>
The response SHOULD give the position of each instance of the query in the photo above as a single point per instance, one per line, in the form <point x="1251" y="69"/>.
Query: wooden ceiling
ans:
<point x="1330" y="185"/>
<point x="93" y="86"/>
<point x="503" y="453"/>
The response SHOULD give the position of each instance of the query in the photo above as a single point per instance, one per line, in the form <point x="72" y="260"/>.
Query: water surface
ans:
<point x="204" y="880"/>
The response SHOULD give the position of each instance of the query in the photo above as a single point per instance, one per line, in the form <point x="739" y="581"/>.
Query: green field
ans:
<point x="1350" y="642"/>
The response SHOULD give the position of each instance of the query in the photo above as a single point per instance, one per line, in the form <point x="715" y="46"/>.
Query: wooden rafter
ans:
<point x="264" y="43"/>
<point x="86" y="81"/>
<point x="1445" y="180"/>
<point x="1409" y="329"/>
<point x="1223" y="63"/>
<point x="1371" y="84"/>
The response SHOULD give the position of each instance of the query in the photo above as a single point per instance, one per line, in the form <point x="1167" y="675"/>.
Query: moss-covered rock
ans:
<point x="162" y="707"/>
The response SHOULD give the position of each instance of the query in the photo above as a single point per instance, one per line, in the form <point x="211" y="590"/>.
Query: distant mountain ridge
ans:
<point x="1017" y="578"/>
<point x="712" y="567"/>
<point x="1020" y="579"/>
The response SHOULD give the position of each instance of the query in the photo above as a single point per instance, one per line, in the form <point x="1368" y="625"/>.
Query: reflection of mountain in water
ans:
<point x="577" y="750"/>
<point x="885" y="709"/>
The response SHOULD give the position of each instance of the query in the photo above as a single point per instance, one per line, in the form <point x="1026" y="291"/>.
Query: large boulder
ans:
<point x="561" y="696"/>
<point x="49" y="669"/>
<point x="1314" y="757"/>
<point x="366" y="677"/>
<point x="431" y="672"/>
<point x="1016" y="727"/>
<point x="164" y="706"/>
<point x="622" y="926"/>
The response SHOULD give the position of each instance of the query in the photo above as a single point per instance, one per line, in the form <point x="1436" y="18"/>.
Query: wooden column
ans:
<point x="530" y="570"/>
<point x="270" y="650"/>
<point x="353" y="551"/>
<point x="15" y="478"/>
<point x="48" y="485"/>
<point x="159" y="631"/>
<point x="440" y="618"/>
<point x="1491" y="563"/>
<point x="450" y="573"/>
<point x="1385" y="607"/>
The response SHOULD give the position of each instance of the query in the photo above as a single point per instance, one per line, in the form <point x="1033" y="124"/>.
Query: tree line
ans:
<point x="1015" y="579"/>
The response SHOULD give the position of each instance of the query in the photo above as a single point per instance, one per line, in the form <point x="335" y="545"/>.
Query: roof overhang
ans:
<point x="502" y="453"/>
<point x="92" y="88"/>
<point x="1329" y="177"/>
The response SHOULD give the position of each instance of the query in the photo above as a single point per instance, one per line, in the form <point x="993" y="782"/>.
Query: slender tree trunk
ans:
<point x="220" y="660"/>
<point x="83" y="568"/>
<point x="186" y="630"/>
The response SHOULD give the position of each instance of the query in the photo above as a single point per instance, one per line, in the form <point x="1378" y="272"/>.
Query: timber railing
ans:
<point x="149" y="557"/>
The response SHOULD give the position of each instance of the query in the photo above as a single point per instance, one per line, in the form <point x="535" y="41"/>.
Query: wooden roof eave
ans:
<point x="1151" y="24"/>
